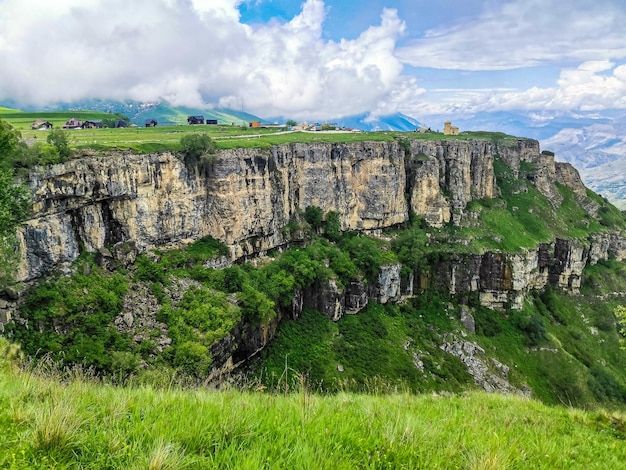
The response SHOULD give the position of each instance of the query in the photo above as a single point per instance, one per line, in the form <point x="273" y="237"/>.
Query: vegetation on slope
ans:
<point x="565" y="349"/>
<point x="57" y="421"/>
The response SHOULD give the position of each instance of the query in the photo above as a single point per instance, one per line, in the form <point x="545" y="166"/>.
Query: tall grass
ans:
<point x="81" y="424"/>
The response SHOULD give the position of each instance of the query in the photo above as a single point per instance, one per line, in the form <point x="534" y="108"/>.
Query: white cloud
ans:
<point x="524" y="33"/>
<point x="585" y="88"/>
<point x="193" y="52"/>
<point x="592" y="86"/>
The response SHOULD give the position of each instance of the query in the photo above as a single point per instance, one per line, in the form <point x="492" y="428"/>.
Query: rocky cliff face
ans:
<point x="246" y="199"/>
<point x="443" y="176"/>
<point x="120" y="204"/>
<point x="504" y="279"/>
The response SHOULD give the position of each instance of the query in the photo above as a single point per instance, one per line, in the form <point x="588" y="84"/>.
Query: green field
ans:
<point x="163" y="138"/>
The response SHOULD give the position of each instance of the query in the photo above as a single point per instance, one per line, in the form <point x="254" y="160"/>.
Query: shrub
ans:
<point x="488" y="322"/>
<point x="256" y="307"/>
<point x="365" y="254"/>
<point x="193" y="357"/>
<point x="332" y="226"/>
<point x="10" y="354"/>
<point x="314" y="216"/>
<point x="532" y="325"/>
<point x="197" y="148"/>
<point x="58" y="139"/>
<point x="605" y="386"/>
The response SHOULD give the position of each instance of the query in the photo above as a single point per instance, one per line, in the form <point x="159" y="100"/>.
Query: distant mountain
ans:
<point x="391" y="122"/>
<point x="167" y="114"/>
<point x="138" y="112"/>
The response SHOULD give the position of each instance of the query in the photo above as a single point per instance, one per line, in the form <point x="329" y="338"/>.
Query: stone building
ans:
<point x="449" y="129"/>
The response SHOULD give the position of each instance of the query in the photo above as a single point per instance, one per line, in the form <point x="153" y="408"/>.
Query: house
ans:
<point x="191" y="120"/>
<point x="211" y="122"/>
<point x="449" y="129"/>
<point x="92" y="125"/>
<point x="151" y="122"/>
<point x="73" y="124"/>
<point x="40" y="125"/>
<point x="120" y="123"/>
<point x="255" y="124"/>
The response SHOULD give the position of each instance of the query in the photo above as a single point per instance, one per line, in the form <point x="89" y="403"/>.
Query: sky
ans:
<point x="319" y="59"/>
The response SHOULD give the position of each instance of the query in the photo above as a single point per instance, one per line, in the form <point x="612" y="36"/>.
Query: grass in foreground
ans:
<point x="80" y="424"/>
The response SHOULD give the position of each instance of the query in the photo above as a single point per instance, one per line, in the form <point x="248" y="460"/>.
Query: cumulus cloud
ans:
<point x="197" y="52"/>
<point x="524" y="33"/>
<point x="593" y="85"/>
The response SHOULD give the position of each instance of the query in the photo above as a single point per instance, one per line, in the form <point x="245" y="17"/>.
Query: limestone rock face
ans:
<point x="520" y="150"/>
<point x="248" y="196"/>
<point x="245" y="199"/>
<point x="504" y="279"/>
<point x="445" y="175"/>
<point x="426" y="195"/>
<point x="121" y="205"/>
<point x="569" y="176"/>
<point x="389" y="283"/>
<point x="492" y="377"/>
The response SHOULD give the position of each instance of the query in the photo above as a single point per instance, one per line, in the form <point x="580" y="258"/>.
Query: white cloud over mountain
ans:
<point x="195" y="52"/>
<point x="593" y="85"/>
<point x="524" y="33"/>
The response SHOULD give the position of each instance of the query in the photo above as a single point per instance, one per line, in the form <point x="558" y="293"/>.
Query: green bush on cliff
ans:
<point x="198" y="149"/>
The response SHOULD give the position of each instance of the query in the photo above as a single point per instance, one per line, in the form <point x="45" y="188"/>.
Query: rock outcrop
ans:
<point x="490" y="374"/>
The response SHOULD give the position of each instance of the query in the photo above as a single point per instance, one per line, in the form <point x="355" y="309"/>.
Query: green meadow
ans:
<point x="54" y="420"/>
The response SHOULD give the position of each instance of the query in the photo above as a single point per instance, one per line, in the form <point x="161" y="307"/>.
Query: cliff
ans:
<point x="122" y="204"/>
<point x="248" y="197"/>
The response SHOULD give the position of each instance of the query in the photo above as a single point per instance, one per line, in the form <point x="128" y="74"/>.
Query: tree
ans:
<point x="195" y="146"/>
<point x="291" y="123"/>
<point x="9" y="141"/>
<point x="58" y="139"/>
<point x="332" y="226"/>
<point x="198" y="149"/>
<point x="314" y="216"/>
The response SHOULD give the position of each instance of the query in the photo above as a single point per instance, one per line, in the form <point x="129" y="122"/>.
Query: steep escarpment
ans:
<point x="248" y="197"/>
<point x="443" y="176"/>
<point x="487" y="222"/>
<point x="121" y="204"/>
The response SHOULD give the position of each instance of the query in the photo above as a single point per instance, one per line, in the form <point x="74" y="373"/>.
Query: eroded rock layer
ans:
<point x="121" y="204"/>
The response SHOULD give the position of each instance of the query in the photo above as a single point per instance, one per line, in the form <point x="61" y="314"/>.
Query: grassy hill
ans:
<point x="169" y="115"/>
<point x="70" y="421"/>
